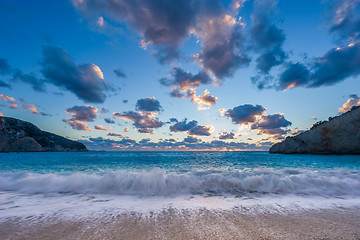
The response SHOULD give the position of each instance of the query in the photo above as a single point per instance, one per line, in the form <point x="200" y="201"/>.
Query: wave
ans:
<point x="158" y="182"/>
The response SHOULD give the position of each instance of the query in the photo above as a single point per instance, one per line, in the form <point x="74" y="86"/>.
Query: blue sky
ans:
<point x="262" y="70"/>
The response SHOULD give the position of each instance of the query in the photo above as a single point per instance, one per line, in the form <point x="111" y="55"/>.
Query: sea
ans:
<point x="88" y="184"/>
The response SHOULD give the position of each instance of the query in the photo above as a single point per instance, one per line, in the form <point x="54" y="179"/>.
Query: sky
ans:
<point x="178" y="75"/>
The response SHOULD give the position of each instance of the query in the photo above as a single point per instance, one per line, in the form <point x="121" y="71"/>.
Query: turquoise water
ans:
<point x="120" y="179"/>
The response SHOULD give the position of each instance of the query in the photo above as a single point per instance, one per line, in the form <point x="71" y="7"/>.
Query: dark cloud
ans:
<point x="162" y="24"/>
<point x="146" y="130"/>
<point x="4" y="84"/>
<point x="271" y="122"/>
<point x="112" y="134"/>
<point x="244" y="114"/>
<point x="109" y="120"/>
<point x="222" y="41"/>
<point x="182" y="80"/>
<point x="343" y="18"/>
<point x="86" y="81"/>
<point x="104" y="110"/>
<point x="84" y="113"/>
<point x="336" y="65"/>
<point x="140" y="120"/>
<point x="183" y="125"/>
<point x="226" y="135"/>
<point x="188" y="143"/>
<point x="266" y="37"/>
<point x="36" y="83"/>
<point x="190" y="139"/>
<point x="201" y="130"/>
<point x="120" y="73"/>
<point x="295" y="74"/>
<point x="148" y="104"/>
<point x="5" y="67"/>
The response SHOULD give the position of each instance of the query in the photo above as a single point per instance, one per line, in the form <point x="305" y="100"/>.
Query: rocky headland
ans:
<point x="339" y="135"/>
<point x="20" y="136"/>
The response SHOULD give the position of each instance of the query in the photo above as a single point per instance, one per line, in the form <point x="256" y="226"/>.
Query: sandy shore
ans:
<point x="186" y="224"/>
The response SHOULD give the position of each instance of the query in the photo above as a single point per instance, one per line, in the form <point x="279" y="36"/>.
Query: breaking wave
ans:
<point x="158" y="182"/>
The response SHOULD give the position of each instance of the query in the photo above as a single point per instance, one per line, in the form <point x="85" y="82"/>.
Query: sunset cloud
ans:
<point x="352" y="102"/>
<point x="100" y="127"/>
<point x="77" y="125"/>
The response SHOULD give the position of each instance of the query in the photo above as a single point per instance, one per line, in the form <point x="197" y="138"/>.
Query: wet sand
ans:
<point x="190" y="224"/>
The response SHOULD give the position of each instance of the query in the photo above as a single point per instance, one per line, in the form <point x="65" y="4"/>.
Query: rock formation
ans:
<point x="21" y="136"/>
<point x="339" y="135"/>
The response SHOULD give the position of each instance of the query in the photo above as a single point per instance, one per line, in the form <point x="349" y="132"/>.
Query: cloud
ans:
<point x="274" y="121"/>
<point x="146" y="130"/>
<point x="140" y="120"/>
<point x="85" y="113"/>
<point x="112" y="134"/>
<point x="30" y="107"/>
<point x="352" y="102"/>
<point x="294" y="75"/>
<point x="182" y="80"/>
<point x="184" y="84"/>
<point x="86" y="81"/>
<point x="266" y="37"/>
<point x="120" y="73"/>
<point x="187" y="144"/>
<point x="23" y="103"/>
<point x="104" y="110"/>
<point x="7" y="99"/>
<point x="109" y="120"/>
<point x="222" y="43"/>
<point x="36" y="83"/>
<point x="183" y="125"/>
<point x="225" y="135"/>
<point x="4" y="84"/>
<point x="201" y="130"/>
<point x="5" y="67"/>
<point x="204" y="101"/>
<point x="162" y="24"/>
<point x="81" y="114"/>
<point x="148" y="104"/>
<point x="244" y="114"/>
<point x="338" y="63"/>
<point x="77" y="125"/>
<point x="100" y="127"/>
<point x="190" y="139"/>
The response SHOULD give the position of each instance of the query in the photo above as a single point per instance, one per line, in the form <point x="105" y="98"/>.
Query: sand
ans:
<point x="191" y="224"/>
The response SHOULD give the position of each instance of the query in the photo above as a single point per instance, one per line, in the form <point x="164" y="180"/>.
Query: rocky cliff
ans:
<point x="339" y="135"/>
<point x="21" y="136"/>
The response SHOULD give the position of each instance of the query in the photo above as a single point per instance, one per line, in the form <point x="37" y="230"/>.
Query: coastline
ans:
<point x="340" y="223"/>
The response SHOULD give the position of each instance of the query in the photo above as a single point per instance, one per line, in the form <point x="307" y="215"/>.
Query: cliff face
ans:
<point x="21" y="136"/>
<point x="339" y="135"/>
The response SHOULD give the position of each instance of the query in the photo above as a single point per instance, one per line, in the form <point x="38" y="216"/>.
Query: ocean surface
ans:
<point x="85" y="184"/>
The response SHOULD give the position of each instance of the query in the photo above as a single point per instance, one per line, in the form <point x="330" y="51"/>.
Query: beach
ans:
<point x="186" y="224"/>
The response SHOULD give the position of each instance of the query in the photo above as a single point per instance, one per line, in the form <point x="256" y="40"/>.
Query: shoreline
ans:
<point x="340" y="223"/>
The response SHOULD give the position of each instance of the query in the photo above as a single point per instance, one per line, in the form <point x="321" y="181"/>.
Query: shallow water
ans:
<point x="82" y="184"/>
